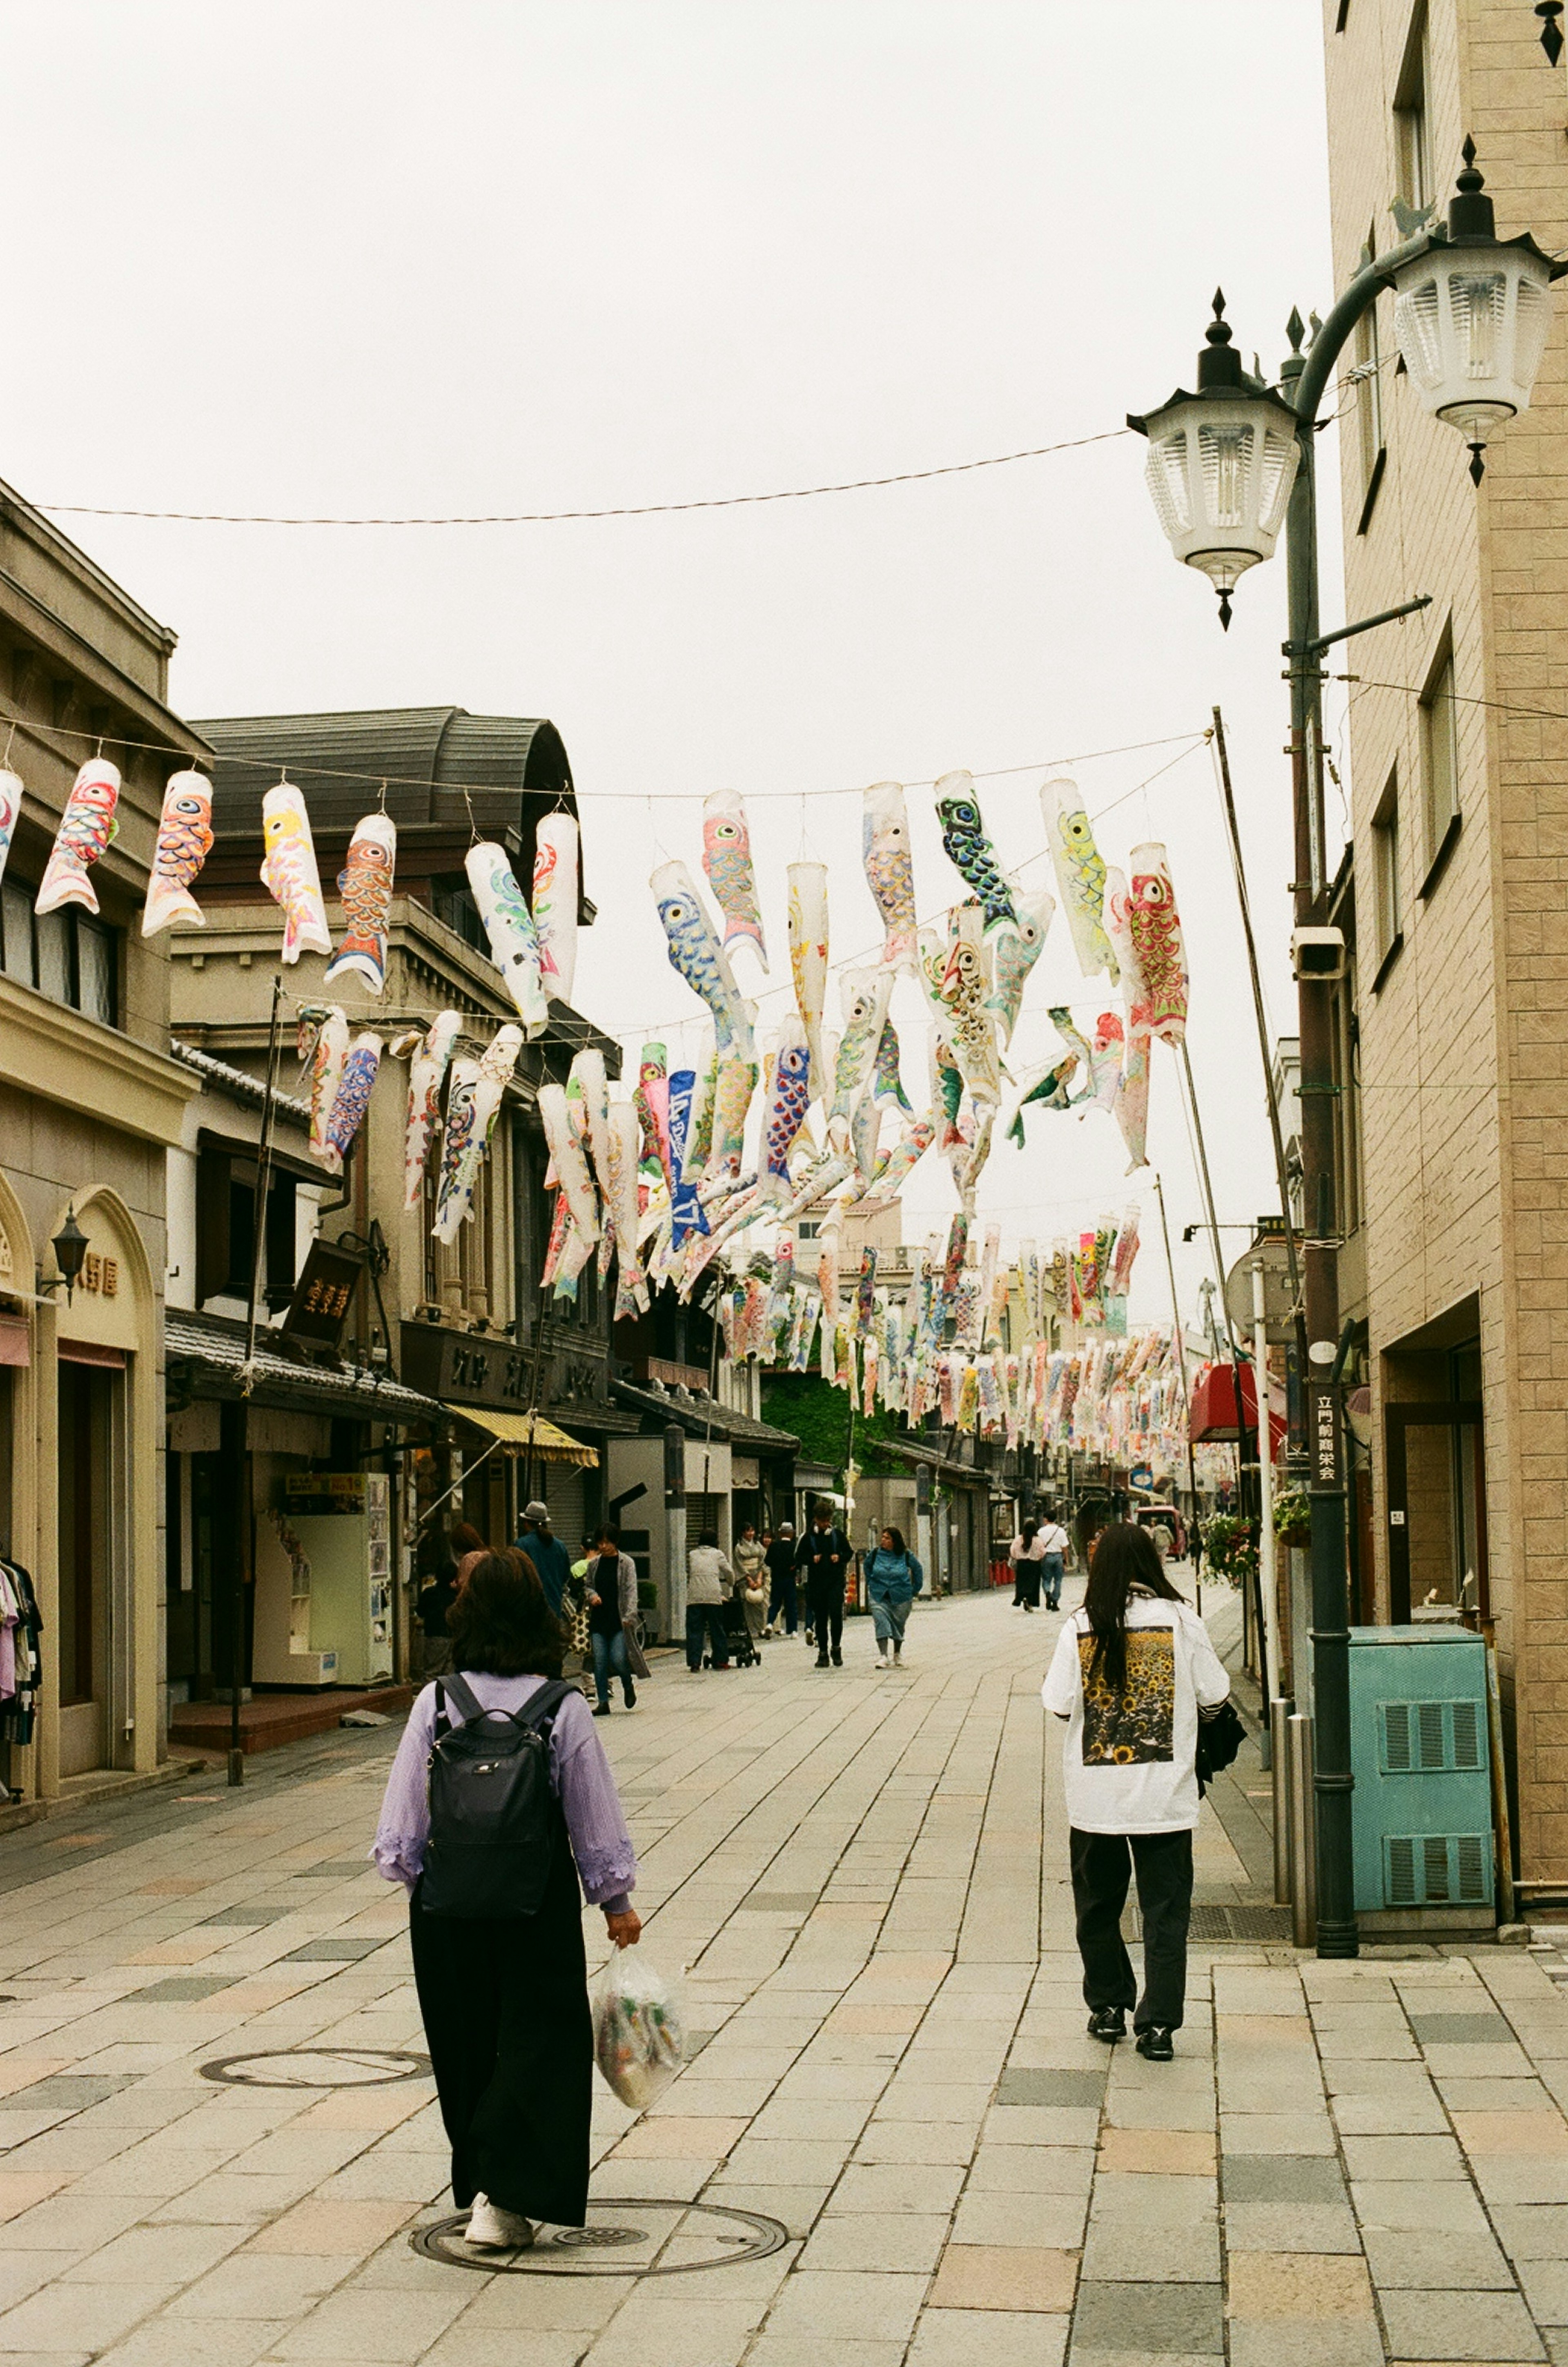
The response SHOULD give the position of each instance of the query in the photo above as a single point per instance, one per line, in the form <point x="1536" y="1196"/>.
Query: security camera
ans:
<point x="1318" y="955"/>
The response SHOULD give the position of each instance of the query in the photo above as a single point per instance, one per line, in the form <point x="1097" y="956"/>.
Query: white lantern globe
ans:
<point x="1471" y="314"/>
<point x="1221" y="466"/>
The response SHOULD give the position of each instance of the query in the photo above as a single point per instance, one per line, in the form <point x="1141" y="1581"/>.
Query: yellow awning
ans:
<point x="529" y="1433"/>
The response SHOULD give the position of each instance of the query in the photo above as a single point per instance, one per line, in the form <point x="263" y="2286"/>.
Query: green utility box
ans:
<point x="1420" y="1752"/>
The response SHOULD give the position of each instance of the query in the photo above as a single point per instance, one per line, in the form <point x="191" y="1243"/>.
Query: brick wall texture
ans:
<point x="1464" y="1040"/>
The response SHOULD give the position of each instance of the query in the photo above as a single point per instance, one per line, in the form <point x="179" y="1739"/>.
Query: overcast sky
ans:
<point x="389" y="259"/>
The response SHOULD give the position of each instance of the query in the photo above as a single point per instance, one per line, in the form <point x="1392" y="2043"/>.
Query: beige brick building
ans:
<point x="1458" y="746"/>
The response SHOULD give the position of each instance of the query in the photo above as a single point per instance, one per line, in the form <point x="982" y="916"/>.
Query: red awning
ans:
<point x="1215" y="1409"/>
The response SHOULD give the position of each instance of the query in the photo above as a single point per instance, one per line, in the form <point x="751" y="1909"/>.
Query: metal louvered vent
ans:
<point x="1436" y="1869"/>
<point x="1467" y="1733"/>
<point x="1431" y="1737"/>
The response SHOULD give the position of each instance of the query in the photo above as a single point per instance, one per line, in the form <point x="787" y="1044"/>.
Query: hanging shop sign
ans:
<point x="322" y="1296"/>
<point x="464" y="1368"/>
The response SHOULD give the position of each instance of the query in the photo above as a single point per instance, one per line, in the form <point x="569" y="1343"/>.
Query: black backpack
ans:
<point x="494" y="1822"/>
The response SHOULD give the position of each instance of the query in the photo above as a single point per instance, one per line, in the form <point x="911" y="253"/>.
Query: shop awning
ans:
<point x="1214" y="1408"/>
<point x="528" y="1434"/>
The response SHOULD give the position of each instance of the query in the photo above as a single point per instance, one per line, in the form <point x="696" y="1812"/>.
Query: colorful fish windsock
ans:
<point x="865" y="1288"/>
<point x="1156" y="930"/>
<point x="289" y="872"/>
<point x="697" y="955"/>
<point x="828" y="1269"/>
<point x="969" y="849"/>
<point x="509" y="925"/>
<point x="1126" y="1251"/>
<point x="10" y="807"/>
<point x="555" y="872"/>
<point x="1119" y="928"/>
<point x="886" y="1081"/>
<point x="652" y="1099"/>
<point x="365" y="883"/>
<point x="497" y="1063"/>
<point x="865" y="998"/>
<point x="589" y="1075"/>
<point x="454" y="1187"/>
<point x="570" y="1165"/>
<point x="1131" y="1107"/>
<point x="787" y="1100"/>
<point x="353" y="1096"/>
<point x="889" y="869"/>
<point x="686" y="1212"/>
<point x="1016" y="947"/>
<point x="323" y="1042"/>
<point x="1080" y="874"/>
<point x="866" y="1133"/>
<point x="85" y="829"/>
<point x="736" y="1084"/>
<point x="808" y="956"/>
<point x="631" y="1285"/>
<point x="182" y="843"/>
<point x="427" y="1073"/>
<point x="907" y="1152"/>
<point x="967" y="990"/>
<point x="727" y="859"/>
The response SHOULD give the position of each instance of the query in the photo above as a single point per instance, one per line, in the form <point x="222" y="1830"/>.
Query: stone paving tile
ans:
<point x="1460" y="2326"/>
<point x="1157" y="2319"/>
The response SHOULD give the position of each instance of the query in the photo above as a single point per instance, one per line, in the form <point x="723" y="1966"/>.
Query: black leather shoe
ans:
<point x="821" y="1660"/>
<point x="603" y="1711"/>
<point x="838" y="1659"/>
<point x="1109" y="2022"/>
<point x="630" y="1692"/>
<point x="1155" y="2042"/>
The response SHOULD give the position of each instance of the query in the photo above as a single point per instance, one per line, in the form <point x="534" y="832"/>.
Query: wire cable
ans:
<point x="622" y="510"/>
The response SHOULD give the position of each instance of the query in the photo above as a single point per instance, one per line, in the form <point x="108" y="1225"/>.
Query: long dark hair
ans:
<point x="501" y="1625"/>
<point x="1027" y="1533"/>
<point x="898" y="1537"/>
<point x="1124" y="1557"/>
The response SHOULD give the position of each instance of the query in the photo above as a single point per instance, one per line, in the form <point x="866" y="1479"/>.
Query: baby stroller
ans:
<point x="737" y="1634"/>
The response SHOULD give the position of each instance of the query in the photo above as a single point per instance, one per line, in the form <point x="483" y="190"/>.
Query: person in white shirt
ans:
<point x="1133" y="1673"/>
<point x="1052" y="1540"/>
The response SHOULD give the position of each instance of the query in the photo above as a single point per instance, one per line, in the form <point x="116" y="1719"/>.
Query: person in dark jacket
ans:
<point x="545" y="1550"/>
<point x="611" y="1578"/>
<point x="780" y="1557"/>
<point x="458" y="1552"/>
<point x="823" y="1559"/>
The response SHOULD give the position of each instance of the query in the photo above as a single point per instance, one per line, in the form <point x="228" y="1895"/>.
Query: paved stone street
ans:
<point x="865" y="1876"/>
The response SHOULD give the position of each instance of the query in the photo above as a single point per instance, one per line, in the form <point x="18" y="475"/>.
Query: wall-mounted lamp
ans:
<point x="70" y="1247"/>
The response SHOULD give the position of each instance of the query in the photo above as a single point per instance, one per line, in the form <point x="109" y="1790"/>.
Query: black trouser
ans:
<point x="826" y="1596"/>
<point x="706" y="1618"/>
<point x="1163" y="1863"/>
<point x="781" y="1600"/>
<point x="1026" y="1584"/>
<point x="507" y="2022"/>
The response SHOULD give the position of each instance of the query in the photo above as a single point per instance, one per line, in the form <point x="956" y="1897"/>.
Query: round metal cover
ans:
<point x="645" y="2239"/>
<point x="1278" y="1319"/>
<point x="319" y="2066"/>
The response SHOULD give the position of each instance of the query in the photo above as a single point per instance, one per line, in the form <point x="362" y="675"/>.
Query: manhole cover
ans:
<point x="319" y="2066"/>
<point x="649" y="2239"/>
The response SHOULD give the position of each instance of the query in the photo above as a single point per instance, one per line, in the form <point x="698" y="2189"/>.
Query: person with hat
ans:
<point x="780" y="1560"/>
<point x="545" y="1550"/>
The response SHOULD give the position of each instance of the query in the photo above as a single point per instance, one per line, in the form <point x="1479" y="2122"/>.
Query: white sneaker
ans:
<point x="883" y="1661"/>
<point x="491" y="2229"/>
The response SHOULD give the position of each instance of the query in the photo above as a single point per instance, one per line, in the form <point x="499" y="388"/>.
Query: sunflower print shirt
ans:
<point x="1130" y="1727"/>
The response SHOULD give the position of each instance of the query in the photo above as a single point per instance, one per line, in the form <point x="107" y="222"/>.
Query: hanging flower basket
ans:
<point x="1230" y="1548"/>
<point x="1293" y="1517"/>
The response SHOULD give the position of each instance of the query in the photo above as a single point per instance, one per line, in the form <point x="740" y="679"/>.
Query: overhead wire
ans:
<point x="620" y="510"/>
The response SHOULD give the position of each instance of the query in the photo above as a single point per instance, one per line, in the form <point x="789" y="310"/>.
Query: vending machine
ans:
<point x="343" y="1521"/>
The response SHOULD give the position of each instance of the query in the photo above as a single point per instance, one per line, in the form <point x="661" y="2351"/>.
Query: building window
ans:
<point x="1385" y="869"/>
<point x="1412" y="136"/>
<point x="226" y="1187"/>
<point x="1370" y="441"/>
<point x="68" y="955"/>
<point x="1439" y="758"/>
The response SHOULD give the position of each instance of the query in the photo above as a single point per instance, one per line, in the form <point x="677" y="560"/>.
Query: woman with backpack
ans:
<point x="518" y="1792"/>
<point x="1133" y="1674"/>
<point x="893" y="1578"/>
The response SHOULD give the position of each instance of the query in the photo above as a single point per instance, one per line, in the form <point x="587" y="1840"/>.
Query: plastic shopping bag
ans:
<point x="639" y="2039"/>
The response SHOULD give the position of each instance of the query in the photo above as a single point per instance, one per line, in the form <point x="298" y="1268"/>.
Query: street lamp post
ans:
<point x="1471" y="314"/>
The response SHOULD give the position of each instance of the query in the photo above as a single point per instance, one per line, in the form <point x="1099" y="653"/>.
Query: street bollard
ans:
<point x="1304" y="1833"/>
<point x="1278" y="1731"/>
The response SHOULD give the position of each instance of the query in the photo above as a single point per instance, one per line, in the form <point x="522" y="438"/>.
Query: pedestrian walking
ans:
<point x="1132" y="1674"/>
<point x="1053" y="1542"/>
<point x="823" y="1556"/>
<point x="1026" y="1554"/>
<point x="893" y="1578"/>
<point x="709" y="1579"/>
<point x="457" y="1554"/>
<point x="611" y="1580"/>
<point x="780" y="1557"/>
<point x="496" y="1926"/>
<point x="537" y="1539"/>
<point x="751" y="1560"/>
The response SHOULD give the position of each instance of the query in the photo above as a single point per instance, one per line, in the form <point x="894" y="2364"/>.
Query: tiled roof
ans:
<point x="701" y="1414"/>
<point x="216" y="1348"/>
